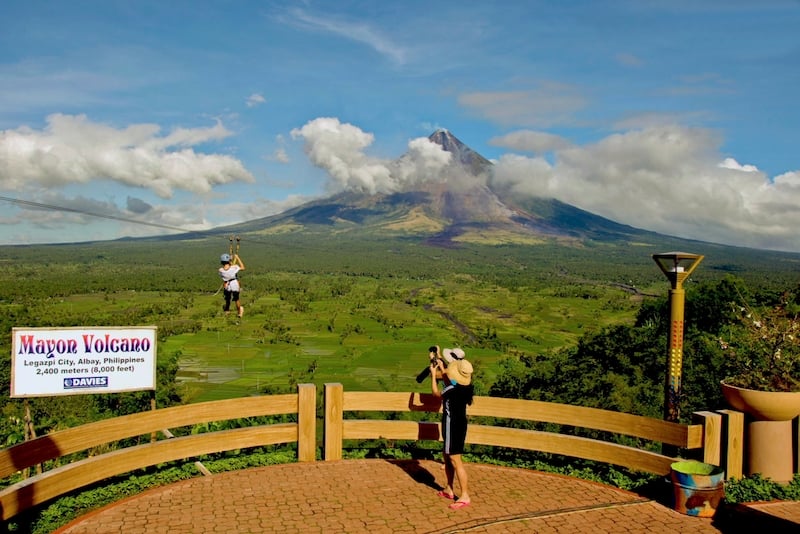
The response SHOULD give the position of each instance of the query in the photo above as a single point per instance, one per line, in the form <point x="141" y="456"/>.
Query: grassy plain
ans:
<point x="375" y="337"/>
<point x="333" y="309"/>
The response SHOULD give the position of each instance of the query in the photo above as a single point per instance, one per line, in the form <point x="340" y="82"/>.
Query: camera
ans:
<point x="433" y="354"/>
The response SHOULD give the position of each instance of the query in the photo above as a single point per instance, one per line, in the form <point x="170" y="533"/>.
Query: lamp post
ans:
<point x="677" y="266"/>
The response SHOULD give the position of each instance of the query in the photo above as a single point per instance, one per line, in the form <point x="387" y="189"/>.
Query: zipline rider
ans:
<point x="231" y="265"/>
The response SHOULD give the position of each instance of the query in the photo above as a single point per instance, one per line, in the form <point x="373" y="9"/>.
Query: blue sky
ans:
<point x="676" y="116"/>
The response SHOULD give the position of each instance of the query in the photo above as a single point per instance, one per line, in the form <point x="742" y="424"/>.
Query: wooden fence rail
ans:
<point x="704" y="436"/>
<point x="49" y="484"/>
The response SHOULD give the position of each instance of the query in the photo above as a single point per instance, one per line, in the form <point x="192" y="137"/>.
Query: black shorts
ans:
<point x="231" y="295"/>
<point x="454" y="434"/>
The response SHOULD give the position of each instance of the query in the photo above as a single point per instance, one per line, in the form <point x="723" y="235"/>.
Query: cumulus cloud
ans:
<point x="72" y="149"/>
<point x="339" y="149"/>
<point x="667" y="179"/>
<point x="789" y="180"/>
<point x="730" y="163"/>
<point x="424" y="161"/>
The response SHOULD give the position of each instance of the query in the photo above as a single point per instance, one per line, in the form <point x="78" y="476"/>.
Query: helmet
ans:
<point x="225" y="258"/>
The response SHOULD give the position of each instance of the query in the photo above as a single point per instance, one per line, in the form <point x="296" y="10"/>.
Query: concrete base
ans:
<point x="770" y="450"/>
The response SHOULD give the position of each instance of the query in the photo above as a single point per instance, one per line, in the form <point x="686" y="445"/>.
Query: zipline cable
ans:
<point x="40" y="205"/>
<point x="209" y="233"/>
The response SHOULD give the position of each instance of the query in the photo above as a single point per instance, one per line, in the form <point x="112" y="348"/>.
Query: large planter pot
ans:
<point x="768" y="444"/>
<point x="763" y="405"/>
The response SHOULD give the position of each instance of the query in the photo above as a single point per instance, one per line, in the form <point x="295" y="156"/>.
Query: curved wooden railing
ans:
<point x="55" y="482"/>
<point x="704" y="436"/>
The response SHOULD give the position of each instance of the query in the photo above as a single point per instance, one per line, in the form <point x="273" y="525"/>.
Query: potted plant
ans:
<point x="763" y="347"/>
<point x="762" y="370"/>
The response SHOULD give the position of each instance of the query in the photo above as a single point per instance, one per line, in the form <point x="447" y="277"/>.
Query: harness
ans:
<point x="232" y="252"/>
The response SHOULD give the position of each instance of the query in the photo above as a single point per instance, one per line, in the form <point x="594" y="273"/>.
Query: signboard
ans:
<point x="80" y="360"/>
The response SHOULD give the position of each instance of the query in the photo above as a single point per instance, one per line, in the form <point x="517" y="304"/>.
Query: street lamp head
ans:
<point x="677" y="266"/>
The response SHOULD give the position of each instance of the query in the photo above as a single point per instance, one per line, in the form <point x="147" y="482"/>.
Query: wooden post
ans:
<point x="153" y="435"/>
<point x="712" y="436"/>
<point x="734" y="443"/>
<point x="334" y="421"/>
<point x="796" y="441"/>
<point x="29" y="433"/>
<point x="306" y="422"/>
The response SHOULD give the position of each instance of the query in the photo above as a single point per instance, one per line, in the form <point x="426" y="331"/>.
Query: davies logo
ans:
<point x="86" y="382"/>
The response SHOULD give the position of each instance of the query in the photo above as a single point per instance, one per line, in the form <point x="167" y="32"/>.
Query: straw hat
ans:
<point x="460" y="371"/>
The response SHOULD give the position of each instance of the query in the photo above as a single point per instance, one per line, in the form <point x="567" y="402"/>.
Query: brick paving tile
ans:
<point x="379" y="496"/>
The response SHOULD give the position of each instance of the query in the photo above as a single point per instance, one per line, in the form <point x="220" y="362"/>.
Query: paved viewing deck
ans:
<point x="354" y="496"/>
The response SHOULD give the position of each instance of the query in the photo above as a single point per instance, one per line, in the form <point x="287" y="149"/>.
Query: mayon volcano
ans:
<point x="454" y="200"/>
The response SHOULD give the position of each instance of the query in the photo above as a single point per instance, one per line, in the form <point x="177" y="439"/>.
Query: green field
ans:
<point x="374" y="335"/>
<point x="336" y="310"/>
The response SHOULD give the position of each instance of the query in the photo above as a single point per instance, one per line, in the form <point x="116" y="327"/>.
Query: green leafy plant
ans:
<point x="756" y="488"/>
<point x="762" y="349"/>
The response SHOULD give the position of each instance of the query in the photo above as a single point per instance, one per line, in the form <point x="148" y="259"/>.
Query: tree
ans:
<point x="623" y="368"/>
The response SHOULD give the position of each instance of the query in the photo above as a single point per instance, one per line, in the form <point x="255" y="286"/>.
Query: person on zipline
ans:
<point x="230" y="282"/>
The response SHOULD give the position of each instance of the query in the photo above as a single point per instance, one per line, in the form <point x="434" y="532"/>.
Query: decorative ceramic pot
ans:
<point x="763" y="405"/>
<point x="768" y="443"/>
<point x="698" y="487"/>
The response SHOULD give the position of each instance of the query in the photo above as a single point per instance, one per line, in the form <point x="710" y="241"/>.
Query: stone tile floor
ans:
<point x="377" y="496"/>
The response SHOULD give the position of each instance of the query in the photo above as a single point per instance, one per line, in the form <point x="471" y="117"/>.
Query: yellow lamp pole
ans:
<point x="677" y="266"/>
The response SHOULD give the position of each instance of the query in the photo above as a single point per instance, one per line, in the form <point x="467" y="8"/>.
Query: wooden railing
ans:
<point x="704" y="436"/>
<point x="55" y="482"/>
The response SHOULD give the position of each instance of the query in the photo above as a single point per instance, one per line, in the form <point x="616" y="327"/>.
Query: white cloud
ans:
<point x="730" y="163"/>
<point x="280" y="155"/>
<point x="790" y="180"/>
<point x="255" y="100"/>
<point x="350" y="29"/>
<point x="671" y="180"/>
<point x="72" y="149"/>
<point x="339" y="149"/>
<point x="424" y="161"/>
